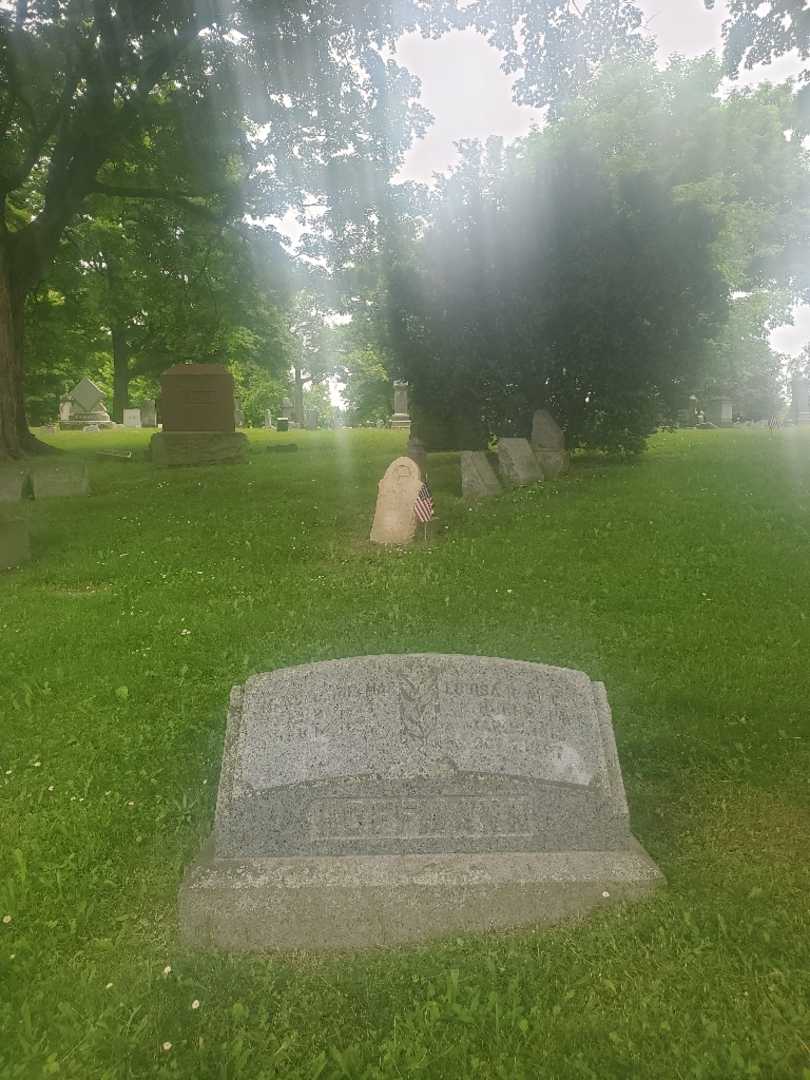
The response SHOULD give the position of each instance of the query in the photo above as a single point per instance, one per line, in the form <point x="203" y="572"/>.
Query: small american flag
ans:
<point x="424" y="504"/>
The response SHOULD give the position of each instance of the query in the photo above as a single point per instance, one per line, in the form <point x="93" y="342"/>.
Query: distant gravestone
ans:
<point x="311" y="420"/>
<point x="394" y="515"/>
<point x="84" y="408"/>
<point x="386" y="799"/>
<point x="15" y="546"/>
<point x="238" y="414"/>
<point x="546" y="432"/>
<point x="720" y="411"/>
<point x="800" y="399"/>
<point x="65" y="480"/>
<point x="132" y="418"/>
<point x="198" y="413"/>
<point x="268" y="419"/>
<point x="401" y="419"/>
<point x="149" y="414"/>
<point x="13" y="484"/>
<point x="517" y="463"/>
<point x="548" y="443"/>
<point x="478" y="478"/>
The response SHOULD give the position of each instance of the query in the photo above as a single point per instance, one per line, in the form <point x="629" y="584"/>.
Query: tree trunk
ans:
<point x="299" y="397"/>
<point x="14" y="431"/>
<point x="121" y="373"/>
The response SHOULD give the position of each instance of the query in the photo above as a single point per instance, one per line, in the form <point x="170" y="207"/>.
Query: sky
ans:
<point x="470" y="97"/>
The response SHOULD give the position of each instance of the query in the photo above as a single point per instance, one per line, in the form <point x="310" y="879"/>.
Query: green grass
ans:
<point x="682" y="581"/>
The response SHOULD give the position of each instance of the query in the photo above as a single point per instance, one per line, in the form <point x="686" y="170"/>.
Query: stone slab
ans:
<point x="429" y="792"/>
<point x="13" y="484"/>
<point x="65" y="480"/>
<point x="546" y="432"/>
<point x="394" y="515"/>
<point x="478" y="478"/>
<point x="197" y="398"/>
<point x="132" y="418"/>
<point x="15" y="545"/>
<point x="553" y="463"/>
<point x="86" y="395"/>
<point x="174" y="448"/>
<point x="517" y="463"/>
<point x="333" y="903"/>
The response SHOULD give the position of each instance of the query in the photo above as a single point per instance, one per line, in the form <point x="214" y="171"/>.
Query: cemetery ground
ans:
<point x="681" y="580"/>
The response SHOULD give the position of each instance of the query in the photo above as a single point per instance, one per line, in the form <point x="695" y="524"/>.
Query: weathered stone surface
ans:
<point x="478" y="478"/>
<point x="517" y="463"/>
<point x="132" y="418"/>
<point x="13" y="483"/>
<point x="394" y="515"/>
<point x="198" y="448"/>
<point x="83" y="408"/>
<point x="197" y="398"/>
<point x="546" y="432"/>
<point x="390" y="798"/>
<point x="553" y="463"/>
<point x="67" y="479"/>
<point x="401" y="419"/>
<point x="800" y="399"/>
<point x="720" y="411"/>
<point x="15" y="546"/>
<point x="149" y="413"/>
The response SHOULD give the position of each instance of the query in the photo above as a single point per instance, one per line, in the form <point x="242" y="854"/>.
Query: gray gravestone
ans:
<point x="15" y="547"/>
<point x="546" y="432"/>
<point x="149" y="413"/>
<point x="478" y="478"/>
<point x="401" y="419"/>
<point x="268" y="419"/>
<point x="517" y="462"/>
<point x="13" y="484"/>
<point x="553" y="463"/>
<point x="132" y="418"/>
<point x="84" y="409"/>
<point x="62" y="481"/>
<point x="385" y="799"/>
<point x="395" y="514"/>
<point x="416" y="451"/>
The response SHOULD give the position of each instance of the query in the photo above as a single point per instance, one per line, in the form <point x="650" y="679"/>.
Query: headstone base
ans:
<point x="553" y="463"/>
<point x="400" y="423"/>
<point x="65" y="480"/>
<point x="198" y="448"/>
<point x="363" y="901"/>
<point x="15" y="547"/>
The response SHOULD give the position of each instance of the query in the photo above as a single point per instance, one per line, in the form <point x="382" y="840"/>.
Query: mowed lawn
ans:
<point x="682" y="581"/>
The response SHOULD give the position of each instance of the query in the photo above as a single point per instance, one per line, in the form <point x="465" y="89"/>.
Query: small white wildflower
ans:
<point x="8" y="772"/>
<point x="195" y="1004"/>
<point x="606" y="894"/>
<point x="167" y="971"/>
<point x="37" y="764"/>
<point x="50" y="787"/>
<point x="166" y="1047"/>
<point x="184" y="632"/>
<point x="108" y="986"/>
<point x="7" y="919"/>
<point x="508" y="590"/>
<point x="130" y="803"/>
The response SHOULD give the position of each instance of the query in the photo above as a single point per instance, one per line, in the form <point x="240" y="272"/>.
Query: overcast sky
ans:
<point x="470" y="97"/>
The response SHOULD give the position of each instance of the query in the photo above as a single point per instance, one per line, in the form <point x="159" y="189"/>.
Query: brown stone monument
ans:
<point x="197" y="409"/>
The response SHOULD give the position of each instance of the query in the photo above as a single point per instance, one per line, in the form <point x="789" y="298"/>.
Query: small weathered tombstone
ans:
<point x="132" y="418"/>
<point x="401" y="419"/>
<point x="149" y="413"/>
<point x="197" y="408"/>
<point x="15" y="545"/>
<point x="478" y="478"/>
<point x="68" y="479"/>
<point x="381" y="800"/>
<point x="282" y="423"/>
<point x="311" y="420"/>
<point x="548" y="443"/>
<point x="517" y="462"/>
<point x="14" y="483"/>
<point x="92" y="429"/>
<point x="238" y="413"/>
<point x="546" y="432"/>
<point x="268" y="419"/>
<point x="395" y="514"/>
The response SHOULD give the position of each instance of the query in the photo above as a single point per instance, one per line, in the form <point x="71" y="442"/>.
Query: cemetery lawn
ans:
<point x="681" y="580"/>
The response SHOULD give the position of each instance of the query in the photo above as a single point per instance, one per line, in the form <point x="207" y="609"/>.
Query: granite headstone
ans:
<point x="384" y="799"/>
<point x="518" y="464"/>
<point x="394" y="515"/>
<point x="132" y="418"/>
<point x="478" y="478"/>
<point x="198" y="412"/>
